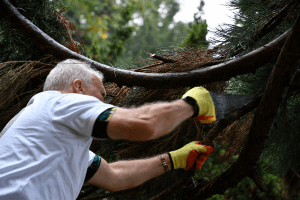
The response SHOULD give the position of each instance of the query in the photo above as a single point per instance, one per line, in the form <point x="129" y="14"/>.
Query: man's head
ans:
<point x="73" y="76"/>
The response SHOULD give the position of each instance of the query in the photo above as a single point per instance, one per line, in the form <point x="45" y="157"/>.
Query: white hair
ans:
<point x="65" y="72"/>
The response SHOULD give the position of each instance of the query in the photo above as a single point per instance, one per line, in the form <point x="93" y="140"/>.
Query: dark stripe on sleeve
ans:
<point x="101" y="123"/>
<point x="92" y="169"/>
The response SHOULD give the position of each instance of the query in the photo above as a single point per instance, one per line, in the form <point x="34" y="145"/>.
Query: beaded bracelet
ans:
<point x="164" y="163"/>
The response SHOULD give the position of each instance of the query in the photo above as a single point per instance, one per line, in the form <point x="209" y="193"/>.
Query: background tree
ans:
<point x="155" y="29"/>
<point x="103" y="26"/>
<point x="198" y="30"/>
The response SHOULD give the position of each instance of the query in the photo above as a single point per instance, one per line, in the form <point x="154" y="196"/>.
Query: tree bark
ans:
<point x="221" y="72"/>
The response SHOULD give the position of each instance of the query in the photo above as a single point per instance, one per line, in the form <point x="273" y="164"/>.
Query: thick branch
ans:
<point x="222" y="72"/>
<point x="277" y="87"/>
<point x="223" y="123"/>
<point x="213" y="133"/>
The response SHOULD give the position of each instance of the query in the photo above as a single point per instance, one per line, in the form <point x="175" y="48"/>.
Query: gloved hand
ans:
<point x="187" y="155"/>
<point x="205" y="103"/>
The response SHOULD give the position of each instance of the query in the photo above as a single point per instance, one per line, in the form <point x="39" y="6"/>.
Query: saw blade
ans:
<point x="226" y="104"/>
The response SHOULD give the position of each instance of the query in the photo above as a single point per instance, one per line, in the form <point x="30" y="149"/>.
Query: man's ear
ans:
<point x="78" y="86"/>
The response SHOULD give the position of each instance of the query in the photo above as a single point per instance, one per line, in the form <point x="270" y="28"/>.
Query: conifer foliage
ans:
<point x="258" y="22"/>
<point x="198" y="31"/>
<point x="15" y="45"/>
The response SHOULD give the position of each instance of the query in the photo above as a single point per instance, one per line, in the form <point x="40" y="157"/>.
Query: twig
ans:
<point x="165" y="60"/>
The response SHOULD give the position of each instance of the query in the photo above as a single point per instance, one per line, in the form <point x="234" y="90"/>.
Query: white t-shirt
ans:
<point x="45" y="153"/>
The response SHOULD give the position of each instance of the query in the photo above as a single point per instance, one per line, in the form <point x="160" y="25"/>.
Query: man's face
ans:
<point x="97" y="89"/>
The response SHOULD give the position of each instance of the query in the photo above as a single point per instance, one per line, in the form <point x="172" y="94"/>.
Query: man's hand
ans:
<point x="205" y="103"/>
<point x="187" y="155"/>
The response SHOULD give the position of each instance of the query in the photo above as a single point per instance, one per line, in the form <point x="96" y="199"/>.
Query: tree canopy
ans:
<point x="103" y="25"/>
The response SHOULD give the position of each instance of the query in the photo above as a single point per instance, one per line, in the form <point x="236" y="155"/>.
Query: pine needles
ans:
<point x="20" y="80"/>
<point x="257" y="23"/>
<point x="15" y="45"/>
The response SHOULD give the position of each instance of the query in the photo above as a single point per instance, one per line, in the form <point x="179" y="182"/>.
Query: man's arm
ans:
<point x="123" y="175"/>
<point x="127" y="174"/>
<point x="148" y="122"/>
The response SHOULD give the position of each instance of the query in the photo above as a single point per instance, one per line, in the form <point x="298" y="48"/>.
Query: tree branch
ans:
<point x="276" y="89"/>
<point x="223" y="123"/>
<point x="165" y="60"/>
<point x="275" y="20"/>
<point x="212" y="134"/>
<point x="222" y="72"/>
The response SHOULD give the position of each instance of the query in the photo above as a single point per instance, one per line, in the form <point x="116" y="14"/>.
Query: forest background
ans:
<point x="127" y="34"/>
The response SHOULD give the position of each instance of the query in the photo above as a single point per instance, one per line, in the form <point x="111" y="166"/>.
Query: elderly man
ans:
<point x="45" y="153"/>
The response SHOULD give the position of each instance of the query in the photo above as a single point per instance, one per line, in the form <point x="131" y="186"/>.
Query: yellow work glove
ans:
<point x="205" y="104"/>
<point x="186" y="156"/>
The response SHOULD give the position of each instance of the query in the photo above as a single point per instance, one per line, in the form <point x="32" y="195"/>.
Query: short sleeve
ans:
<point x="93" y="167"/>
<point x="91" y="157"/>
<point x="76" y="113"/>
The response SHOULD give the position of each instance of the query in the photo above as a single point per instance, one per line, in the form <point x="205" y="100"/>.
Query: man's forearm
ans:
<point x="169" y="116"/>
<point x="132" y="173"/>
<point x="122" y="175"/>
<point x="149" y="121"/>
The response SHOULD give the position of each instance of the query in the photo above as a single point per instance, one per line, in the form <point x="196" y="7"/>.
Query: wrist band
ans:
<point x="171" y="161"/>
<point x="164" y="163"/>
<point x="193" y="103"/>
